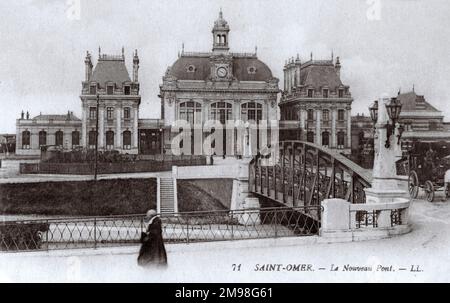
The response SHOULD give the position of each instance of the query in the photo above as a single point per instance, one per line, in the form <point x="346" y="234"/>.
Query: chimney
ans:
<point x="88" y="66"/>
<point x="135" y="66"/>
<point x="297" y="70"/>
<point x="338" y="67"/>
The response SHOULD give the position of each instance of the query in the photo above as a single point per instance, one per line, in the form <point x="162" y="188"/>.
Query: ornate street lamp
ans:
<point x="393" y="109"/>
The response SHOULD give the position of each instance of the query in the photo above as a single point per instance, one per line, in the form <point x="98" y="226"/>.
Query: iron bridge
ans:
<point x="306" y="174"/>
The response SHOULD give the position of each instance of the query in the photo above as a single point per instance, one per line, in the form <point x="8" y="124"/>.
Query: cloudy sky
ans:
<point x="384" y="45"/>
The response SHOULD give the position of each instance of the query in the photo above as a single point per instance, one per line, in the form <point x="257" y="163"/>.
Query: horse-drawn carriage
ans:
<point x="428" y="167"/>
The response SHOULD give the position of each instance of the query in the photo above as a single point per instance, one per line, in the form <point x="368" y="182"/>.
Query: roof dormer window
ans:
<point x="341" y="93"/>
<point x="251" y="70"/>
<point x="310" y="93"/>
<point x="325" y="92"/>
<point x="126" y="90"/>
<point x="191" y="69"/>
<point x="110" y="89"/>
<point x="93" y="89"/>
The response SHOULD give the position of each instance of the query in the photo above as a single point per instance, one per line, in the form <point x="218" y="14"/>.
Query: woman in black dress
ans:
<point x="152" y="252"/>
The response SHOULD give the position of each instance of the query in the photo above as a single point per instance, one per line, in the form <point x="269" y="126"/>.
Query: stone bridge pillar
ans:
<point x="387" y="186"/>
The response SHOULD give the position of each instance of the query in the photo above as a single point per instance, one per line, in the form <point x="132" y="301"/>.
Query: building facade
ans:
<point x="118" y="104"/>
<point x="217" y="85"/>
<point x="421" y="120"/>
<point x="315" y="104"/>
<point x="32" y="134"/>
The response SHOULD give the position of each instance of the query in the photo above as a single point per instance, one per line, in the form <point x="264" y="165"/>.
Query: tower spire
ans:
<point x="99" y="52"/>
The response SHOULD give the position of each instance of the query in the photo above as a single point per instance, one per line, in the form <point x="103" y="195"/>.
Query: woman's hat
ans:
<point x="149" y="215"/>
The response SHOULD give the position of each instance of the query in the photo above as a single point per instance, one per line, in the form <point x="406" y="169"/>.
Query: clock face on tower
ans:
<point x="222" y="72"/>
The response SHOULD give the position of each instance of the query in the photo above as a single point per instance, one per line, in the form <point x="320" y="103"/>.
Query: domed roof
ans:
<point x="199" y="68"/>
<point x="221" y="23"/>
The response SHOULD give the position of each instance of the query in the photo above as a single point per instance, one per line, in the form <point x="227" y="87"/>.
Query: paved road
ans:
<point x="427" y="246"/>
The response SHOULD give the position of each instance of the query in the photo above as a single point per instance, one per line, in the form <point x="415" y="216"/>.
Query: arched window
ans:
<point x="224" y="39"/>
<point x="92" y="138"/>
<point x="218" y="39"/>
<point x="191" y="112"/>
<point x="325" y="139"/>
<point x="109" y="139"/>
<point x="341" y="139"/>
<point x="251" y="111"/>
<point x="26" y="136"/>
<point x="221" y="111"/>
<point x="75" y="138"/>
<point x="59" y="138"/>
<point x="126" y="139"/>
<point x="42" y="138"/>
<point x="310" y="136"/>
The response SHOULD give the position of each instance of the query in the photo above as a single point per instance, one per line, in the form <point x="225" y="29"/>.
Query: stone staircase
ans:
<point x="167" y="200"/>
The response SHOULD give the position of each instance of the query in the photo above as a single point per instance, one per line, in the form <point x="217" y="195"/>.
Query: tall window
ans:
<point x="42" y="138"/>
<point x="26" y="136"/>
<point x="127" y="139"/>
<point x="75" y="138"/>
<point x="191" y="112"/>
<point x="252" y="111"/>
<point x="325" y="93"/>
<point x="92" y="113"/>
<point x="92" y="89"/>
<point x="310" y="115"/>
<point x="126" y="113"/>
<point x="126" y="90"/>
<point x="310" y="93"/>
<point x="109" y="139"/>
<point x="310" y="136"/>
<point x="110" y="90"/>
<point x="92" y="138"/>
<point x="221" y="111"/>
<point x="325" y="139"/>
<point x="110" y="113"/>
<point x="326" y="115"/>
<point x="341" y="115"/>
<point x="59" y="138"/>
<point x="341" y="139"/>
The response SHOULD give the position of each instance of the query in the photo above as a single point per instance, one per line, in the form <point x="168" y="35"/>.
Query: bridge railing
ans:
<point x="188" y="227"/>
<point x="305" y="174"/>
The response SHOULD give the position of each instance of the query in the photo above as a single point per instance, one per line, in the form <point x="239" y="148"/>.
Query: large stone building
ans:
<point x="119" y="102"/>
<point x="421" y="120"/>
<point x="316" y="105"/>
<point x="217" y="85"/>
<point x="43" y="130"/>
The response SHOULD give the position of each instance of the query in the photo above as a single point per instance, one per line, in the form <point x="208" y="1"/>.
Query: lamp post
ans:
<point x="96" y="139"/>
<point x="393" y="109"/>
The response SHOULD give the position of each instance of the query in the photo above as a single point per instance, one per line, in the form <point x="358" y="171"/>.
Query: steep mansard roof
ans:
<point x="110" y="70"/>
<point x="413" y="102"/>
<point x="319" y="75"/>
<point x="241" y="67"/>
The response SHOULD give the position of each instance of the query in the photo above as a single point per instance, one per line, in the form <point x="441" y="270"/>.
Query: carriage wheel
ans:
<point x="429" y="191"/>
<point x="413" y="185"/>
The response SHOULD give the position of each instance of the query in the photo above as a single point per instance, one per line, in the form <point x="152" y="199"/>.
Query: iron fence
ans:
<point x="363" y="218"/>
<point x="93" y="232"/>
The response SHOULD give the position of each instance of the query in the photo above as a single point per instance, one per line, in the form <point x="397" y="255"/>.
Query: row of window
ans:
<point x="293" y="115"/>
<point x="109" y="113"/>
<point x="222" y="111"/>
<point x="109" y="90"/>
<point x="59" y="138"/>
<point x="310" y="137"/>
<point x="325" y="93"/>
<point x="126" y="139"/>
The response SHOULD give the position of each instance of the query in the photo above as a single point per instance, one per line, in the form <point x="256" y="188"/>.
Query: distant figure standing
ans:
<point x="152" y="252"/>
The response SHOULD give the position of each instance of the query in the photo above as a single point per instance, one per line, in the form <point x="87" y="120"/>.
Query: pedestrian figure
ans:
<point x="152" y="252"/>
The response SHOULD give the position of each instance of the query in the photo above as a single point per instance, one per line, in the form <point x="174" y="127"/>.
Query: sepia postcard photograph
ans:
<point x="213" y="141"/>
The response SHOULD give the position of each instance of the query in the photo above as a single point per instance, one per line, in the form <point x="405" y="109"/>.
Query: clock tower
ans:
<point x="220" y="33"/>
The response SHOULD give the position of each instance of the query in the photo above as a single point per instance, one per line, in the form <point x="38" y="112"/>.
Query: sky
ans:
<point x="384" y="45"/>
